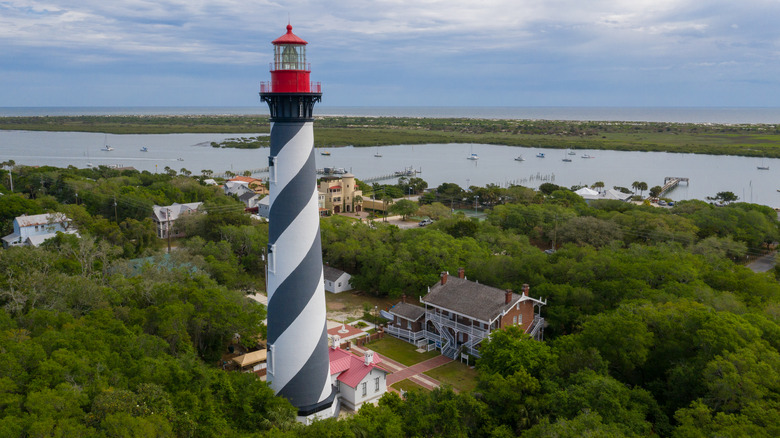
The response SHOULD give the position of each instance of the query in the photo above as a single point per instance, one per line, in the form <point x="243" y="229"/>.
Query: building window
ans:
<point x="365" y="388"/>
<point x="520" y="319"/>
<point x="408" y="325"/>
<point x="376" y="384"/>
<point x="514" y="320"/>
<point x="339" y="284"/>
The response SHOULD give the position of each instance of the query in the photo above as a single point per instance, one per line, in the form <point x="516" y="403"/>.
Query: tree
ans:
<point x="642" y="186"/>
<point x="598" y="185"/>
<point x="655" y="191"/>
<point x="404" y="207"/>
<point x="635" y="186"/>
<point x="724" y="197"/>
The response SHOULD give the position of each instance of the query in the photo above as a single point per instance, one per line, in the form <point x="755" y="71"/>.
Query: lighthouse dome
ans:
<point x="289" y="38"/>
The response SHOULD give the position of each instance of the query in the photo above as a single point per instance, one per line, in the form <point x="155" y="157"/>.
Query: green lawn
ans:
<point x="456" y="374"/>
<point x="400" y="351"/>
<point x="406" y="385"/>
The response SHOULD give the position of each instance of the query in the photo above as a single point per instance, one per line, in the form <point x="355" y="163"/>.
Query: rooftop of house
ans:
<point x="331" y="274"/>
<point x="246" y="179"/>
<point x="352" y="368"/>
<point x="40" y="219"/>
<point x="407" y="311"/>
<point x="247" y="196"/>
<point x="471" y="299"/>
<point x="161" y="212"/>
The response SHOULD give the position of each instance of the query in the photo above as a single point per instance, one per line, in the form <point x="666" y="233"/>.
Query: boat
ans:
<point x="377" y="154"/>
<point x="519" y="158"/>
<point x="180" y="159"/>
<point x="473" y="157"/>
<point x="326" y="153"/>
<point x="762" y="167"/>
<point x="106" y="148"/>
<point x="587" y="156"/>
<point x="144" y="149"/>
<point x="566" y="159"/>
<point x="540" y="155"/>
<point x="572" y="152"/>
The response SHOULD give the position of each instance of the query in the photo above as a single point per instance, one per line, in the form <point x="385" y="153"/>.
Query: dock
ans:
<point x="671" y="182"/>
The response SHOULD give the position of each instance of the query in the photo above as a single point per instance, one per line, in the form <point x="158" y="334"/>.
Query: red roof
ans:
<point x="289" y="38"/>
<point x="247" y="179"/>
<point x="351" y="367"/>
<point x="335" y="187"/>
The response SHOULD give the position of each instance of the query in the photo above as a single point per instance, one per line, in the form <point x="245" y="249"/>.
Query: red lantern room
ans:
<point x="289" y="71"/>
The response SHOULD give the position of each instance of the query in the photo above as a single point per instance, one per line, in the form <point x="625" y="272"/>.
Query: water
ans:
<point x="439" y="163"/>
<point x="656" y="114"/>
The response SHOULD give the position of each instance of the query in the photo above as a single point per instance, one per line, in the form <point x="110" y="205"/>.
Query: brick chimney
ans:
<point x="403" y="298"/>
<point x="461" y="273"/>
<point x="368" y="357"/>
<point x="526" y="288"/>
<point x="508" y="296"/>
<point x="443" y="277"/>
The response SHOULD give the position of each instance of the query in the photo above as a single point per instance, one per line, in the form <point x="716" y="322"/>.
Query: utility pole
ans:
<point x="168" y="215"/>
<point x="77" y="198"/>
<point x="116" y="215"/>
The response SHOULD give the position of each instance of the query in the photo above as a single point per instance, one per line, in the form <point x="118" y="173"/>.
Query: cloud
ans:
<point x="449" y="42"/>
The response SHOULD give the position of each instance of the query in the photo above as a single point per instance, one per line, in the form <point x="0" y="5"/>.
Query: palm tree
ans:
<point x="642" y="186"/>
<point x="635" y="186"/>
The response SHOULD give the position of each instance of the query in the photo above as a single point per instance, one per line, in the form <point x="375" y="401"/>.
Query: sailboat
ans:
<point x="107" y="148"/>
<point x="762" y="166"/>
<point x="566" y="159"/>
<point x="377" y="154"/>
<point x="473" y="156"/>
<point x="571" y="152"/>
<point x="519" y="158"/>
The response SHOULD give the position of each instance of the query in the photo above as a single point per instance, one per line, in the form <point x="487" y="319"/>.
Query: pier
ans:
<point x="240" y="172"/>
<point x="671" y="182"/>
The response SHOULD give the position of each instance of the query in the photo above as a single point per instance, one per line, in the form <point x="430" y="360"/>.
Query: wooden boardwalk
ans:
<point x="671" y="182"/>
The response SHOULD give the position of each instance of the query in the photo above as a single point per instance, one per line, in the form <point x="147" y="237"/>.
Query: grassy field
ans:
<point x="400" y="351"/>
<point x="745" y="140"/>
<point x="406" y="385"/>
<point x="458" y="375"/>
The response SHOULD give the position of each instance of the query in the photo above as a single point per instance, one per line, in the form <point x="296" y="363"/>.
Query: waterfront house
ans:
<point x="341" y="194"/>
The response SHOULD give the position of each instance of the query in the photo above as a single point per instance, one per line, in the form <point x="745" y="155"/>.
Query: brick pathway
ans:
<point x="414" y="373"/>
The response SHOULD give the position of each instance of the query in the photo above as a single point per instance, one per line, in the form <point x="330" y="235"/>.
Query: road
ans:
<point x="763" y="264"/>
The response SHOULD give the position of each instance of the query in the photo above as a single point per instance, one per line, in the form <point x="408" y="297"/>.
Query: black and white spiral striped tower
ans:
<point x="298" y="365"/>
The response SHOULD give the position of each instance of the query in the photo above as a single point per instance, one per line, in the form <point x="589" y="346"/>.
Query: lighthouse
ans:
<point x="298" y="364"/>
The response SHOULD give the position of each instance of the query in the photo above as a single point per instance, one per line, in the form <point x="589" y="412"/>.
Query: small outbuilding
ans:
<point x="336" y="280"/>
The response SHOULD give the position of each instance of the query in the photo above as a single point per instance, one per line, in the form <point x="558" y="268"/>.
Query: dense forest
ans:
<point x="656" y="327"/>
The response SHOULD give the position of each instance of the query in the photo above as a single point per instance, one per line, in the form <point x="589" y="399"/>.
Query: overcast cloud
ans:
<point x="394" y="52"/>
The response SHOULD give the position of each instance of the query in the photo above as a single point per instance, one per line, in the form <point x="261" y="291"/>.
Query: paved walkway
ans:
<point x="764" y="263"/>
<point x="414" y="373"/>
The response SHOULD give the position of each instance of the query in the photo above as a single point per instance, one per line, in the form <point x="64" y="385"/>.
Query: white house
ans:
<point x="357" y="380"/>
<point x="164" y="217"/>
<point x="237" y="188"/>
<point x="250" y="199"/>
<point x="336" y="280"/>
<point x="264" y="207"/>
<point x="34" y="230"/>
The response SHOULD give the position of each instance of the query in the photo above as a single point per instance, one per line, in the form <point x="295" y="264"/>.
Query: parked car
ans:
<point x="425" y="222"/>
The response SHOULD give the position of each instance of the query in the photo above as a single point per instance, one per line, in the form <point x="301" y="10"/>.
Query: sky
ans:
<point x="592" y="53"/>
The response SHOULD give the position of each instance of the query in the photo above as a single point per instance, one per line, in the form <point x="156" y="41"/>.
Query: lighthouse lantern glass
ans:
<point x="290" y="57"/>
